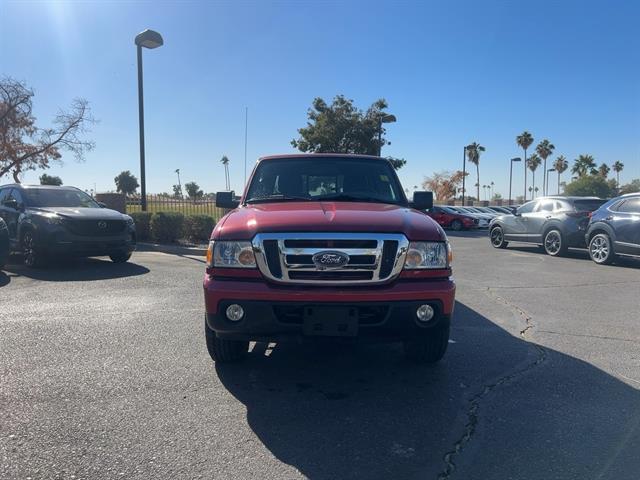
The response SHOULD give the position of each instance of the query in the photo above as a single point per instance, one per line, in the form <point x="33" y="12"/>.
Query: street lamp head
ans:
<point x="517" y="159"/>
<point x="388" y="118"/>
<point x="551" y="169"/>
<point x="149" y="39"/>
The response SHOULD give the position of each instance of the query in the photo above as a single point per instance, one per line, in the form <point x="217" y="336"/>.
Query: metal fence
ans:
<point x="186" y="206"/>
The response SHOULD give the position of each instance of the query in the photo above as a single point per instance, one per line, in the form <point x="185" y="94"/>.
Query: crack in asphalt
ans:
<point x="582" y="335"/>
<point x="551" y="286"/>
<point x="475" y="400"/>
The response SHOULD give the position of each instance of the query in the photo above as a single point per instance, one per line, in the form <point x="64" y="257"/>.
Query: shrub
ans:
<point x="166" y="226"/>
<point x="198" y="227"/>
<point x="143" y="224"/>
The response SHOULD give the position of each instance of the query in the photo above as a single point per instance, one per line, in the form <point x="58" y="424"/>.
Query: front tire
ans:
<point x="120" y="257"/>
<point x="601" y="249"/>
<point x="554" y="244"/>
<point x="222" y="350"/>
<point x="32" y="256"/>
<point x="429" y="349"/>
<point x="456" y="225"/>
<point x="497" y="238"/>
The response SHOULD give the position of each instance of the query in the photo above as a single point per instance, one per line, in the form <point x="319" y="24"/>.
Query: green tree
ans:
<point x="603" y="170"/>
<point x="618" y="167"/>
<point x="343" y="128"/>
<point x="25" y="146"/>
<point x="544" y="149"/>
<point x="590" y="185"/>
<point x="225" y="161"/>
<point x="561" y="165"/>
<point x="534" y="163"/>
<point x="474" y="151"/>
<point x="50" y="180"/>
<point x="524" y="141"/>
<point x="632" y="187"/>
<point x="193" y="190"/>
<point x="584" y="165"/>
<point x="177" y="191"/>
<point x="126" y="183"/>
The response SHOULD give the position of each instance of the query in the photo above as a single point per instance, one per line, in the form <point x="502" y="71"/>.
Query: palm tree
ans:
<point x="618" y="167"/>
<point x="603" y="170"/>
<point x="584" y="165"/>
<point x="545" y="148"/>
<point x="561" y="166"/>
<point x="225" y="161"/>
<point x="524" y="141"/>
<point x="473" y="155"/>
<point x="534" y="163"/>
<point x="491" y="186"/>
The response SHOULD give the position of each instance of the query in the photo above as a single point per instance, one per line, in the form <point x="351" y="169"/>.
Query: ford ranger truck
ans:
<point x="326" y="246"/>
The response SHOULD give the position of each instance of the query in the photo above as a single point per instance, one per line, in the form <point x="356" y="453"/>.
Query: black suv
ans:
<point x="557" y="223"/>
<point x="47" y="220"/>
<point x="615" y="229"/>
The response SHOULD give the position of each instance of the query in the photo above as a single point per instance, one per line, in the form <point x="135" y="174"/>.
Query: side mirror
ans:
<point x="226" y="200"/>
<point x="422" y="200"/>
<point x="11" y="203"/>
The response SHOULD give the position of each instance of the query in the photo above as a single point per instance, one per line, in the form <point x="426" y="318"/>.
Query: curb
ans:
<point x="171" y="249"/>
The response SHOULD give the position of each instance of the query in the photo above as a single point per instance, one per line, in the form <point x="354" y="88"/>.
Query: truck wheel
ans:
<point x="497" y="238"/>
<point x="601" y="250"/>
<point x="554" y="244"/>
<point x="456" y="225"/>
<point x="120" y="257"/>
<point x="222" y="350"/>
<point x="32" y="256"/>
<point x="428" y="349"/>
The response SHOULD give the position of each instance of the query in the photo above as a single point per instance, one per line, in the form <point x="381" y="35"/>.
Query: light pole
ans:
<point x="147" y="39"/>
<point x="464" y="171"/>
<point x="179" y="185"/>
<point x="547" y="178"/>
<point x="383" y="118"/>
<point x="517" y="159"/>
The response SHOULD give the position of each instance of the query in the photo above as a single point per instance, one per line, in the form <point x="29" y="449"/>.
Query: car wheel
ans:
<point x="222" y="350"/>
<point x="31" y="255"/>
<point x="554" y="244"/>
<point x="456" y="225"/>
<point x="120" y="257"/>
<point x="601" y="249"/>
<point x="429" y="349"/>
<point x="497" y="238"/>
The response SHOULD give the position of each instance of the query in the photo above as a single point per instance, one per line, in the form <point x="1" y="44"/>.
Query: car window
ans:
<point x="4" y="194"/>
<point x="631" y="205"/>
<point x="52" y="197"/>
<point x="17" y="196"/>
<point x="545" y="206"/>
<point x="527" y="207"/>
<point x="589" y="205"/>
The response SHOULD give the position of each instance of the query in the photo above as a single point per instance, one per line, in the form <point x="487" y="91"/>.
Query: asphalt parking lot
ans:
<point x="104" y="374"/>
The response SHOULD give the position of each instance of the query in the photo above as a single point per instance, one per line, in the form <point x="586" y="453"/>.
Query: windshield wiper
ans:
<point x="278" y="198"/>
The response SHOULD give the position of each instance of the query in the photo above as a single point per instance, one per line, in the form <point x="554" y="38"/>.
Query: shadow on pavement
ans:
<point x="365" y="412"/>
<point x="77" y="269"/>
<point x="468" y="233"/>
<point x="578" y="254"/>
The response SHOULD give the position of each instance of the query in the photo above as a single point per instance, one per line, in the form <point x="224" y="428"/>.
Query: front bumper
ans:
<point x="275" y="313"/>
<point x="62" y="242"/>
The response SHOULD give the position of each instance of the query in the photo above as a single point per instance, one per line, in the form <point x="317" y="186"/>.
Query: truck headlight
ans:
<point x="425" y="255"/>
<point x="230" y="255"/>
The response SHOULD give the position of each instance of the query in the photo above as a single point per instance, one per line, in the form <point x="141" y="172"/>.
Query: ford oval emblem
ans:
<point x="329" y="260"/>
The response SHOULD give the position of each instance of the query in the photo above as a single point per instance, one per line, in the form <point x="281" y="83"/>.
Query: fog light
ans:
<point x="425" y="313"/>
<point x="234" y="312"/>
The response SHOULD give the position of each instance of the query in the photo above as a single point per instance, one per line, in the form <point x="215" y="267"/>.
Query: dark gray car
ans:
<point x="4" y="243"/>
<point x="557" y="223"/>
<point x="44" y="220"/>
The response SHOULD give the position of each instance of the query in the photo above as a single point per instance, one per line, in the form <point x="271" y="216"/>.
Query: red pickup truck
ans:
<point x="327" y="246"/>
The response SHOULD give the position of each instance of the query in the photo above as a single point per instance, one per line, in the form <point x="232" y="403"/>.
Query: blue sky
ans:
<point x="453" y="72"/>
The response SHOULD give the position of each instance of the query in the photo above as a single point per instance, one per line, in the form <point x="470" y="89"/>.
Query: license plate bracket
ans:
<point x="330" y="321"/>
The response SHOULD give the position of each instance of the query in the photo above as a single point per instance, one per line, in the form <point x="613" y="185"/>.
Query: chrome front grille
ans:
<point x="289" y="257"/>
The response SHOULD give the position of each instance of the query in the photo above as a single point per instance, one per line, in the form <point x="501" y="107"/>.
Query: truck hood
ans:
<point x="81" y="213"/>
<point x="244" y="222"/>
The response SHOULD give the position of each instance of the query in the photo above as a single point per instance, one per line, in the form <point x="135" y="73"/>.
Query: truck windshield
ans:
<point x="50" y="197"/>
<point x="325" y="178"/>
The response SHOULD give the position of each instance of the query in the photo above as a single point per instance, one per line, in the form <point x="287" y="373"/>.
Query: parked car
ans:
<point x="4" y="243"/>
<point x="557" y="223"/>
<point x="448" y="218"/>
<point x="327" y="246"/>
<point x="502" y="210"/>
<point x="47" y="220"/>
<point x="483" y="219"/>
<point x="614" y="229"/>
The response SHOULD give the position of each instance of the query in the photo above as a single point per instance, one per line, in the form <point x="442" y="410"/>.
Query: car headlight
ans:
<point x="425" y="255"/>
<point x="129" y="221"/>
<point x="230" y="255"/>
